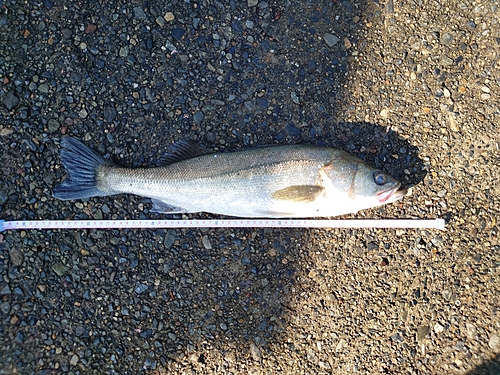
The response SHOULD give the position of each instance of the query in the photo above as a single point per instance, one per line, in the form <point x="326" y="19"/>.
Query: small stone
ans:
<point x="485" y="89"/>
<point x="385" y="113"/>
<point x="471" y="330"/>
<point x="141" y="288"/>
<point x="60" y="269"/>
<point x="446" y="38"/>
<point x="83" y="113"/>
<point x="252" y="3"/>
<point x="447" y="60"/>
<point x="5" y="307"/>
<point x="169" y="16"/>
<point x="422" y="332"/>
<point x="90" y="28"/>
<point x="206" y="242"/>
<point x="494" y="342"/>
<point x="438" y="328"/>
<point x="10" y="100"/>
<point x="6" y="131"/>
<point x="485" y="96"/>
<point x="139" y="13"/>
<point x="109" y="114"/>
<point x="16" y="256"/>
<point x="42" y="287"/>
<point x="347" y="43"/>
<point x="123" y="52"/>
<point x="160" y="21"/>
<point x="53" y="125"/>
<point x="255" y="352"/>
<point x="5" y="290"/>
<point x="169" y="239"/>
<point x="43" y="88"/>
<point x="198" y="116"/>
<point x="178" y="33"/>
<point x="66" y="32"/>
<point x="98" y="214"/>
<point x="74" y="360"/>
<point x="294" y="97"/>
<point x="330" y="39"/>
<point x="452" y="120"/>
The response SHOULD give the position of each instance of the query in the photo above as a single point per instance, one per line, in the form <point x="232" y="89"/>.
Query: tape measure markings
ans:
<point x="224" y="223"/>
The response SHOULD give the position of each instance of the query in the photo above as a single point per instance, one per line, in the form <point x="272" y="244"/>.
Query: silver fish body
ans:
<point x="276" y="181"/>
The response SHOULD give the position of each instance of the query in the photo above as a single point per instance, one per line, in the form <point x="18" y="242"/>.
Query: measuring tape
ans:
<point x="214" y="223"/>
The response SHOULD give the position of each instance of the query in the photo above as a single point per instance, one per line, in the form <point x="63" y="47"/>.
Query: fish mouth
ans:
<point x="392" y="194"/>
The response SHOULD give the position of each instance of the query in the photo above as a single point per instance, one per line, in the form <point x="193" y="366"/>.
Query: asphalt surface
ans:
<point x="409" y="86"/>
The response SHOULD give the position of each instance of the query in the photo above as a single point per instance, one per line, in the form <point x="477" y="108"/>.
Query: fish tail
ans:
<point x="81" y="164"/>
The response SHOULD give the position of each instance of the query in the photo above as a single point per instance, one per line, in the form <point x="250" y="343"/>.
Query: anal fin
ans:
<point x="165" y="208"/>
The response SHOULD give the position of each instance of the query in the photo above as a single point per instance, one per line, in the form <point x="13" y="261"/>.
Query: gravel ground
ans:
<point x="410" y="86"/>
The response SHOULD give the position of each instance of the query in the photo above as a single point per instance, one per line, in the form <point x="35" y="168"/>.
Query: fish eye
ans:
<point x="379" y="177"/>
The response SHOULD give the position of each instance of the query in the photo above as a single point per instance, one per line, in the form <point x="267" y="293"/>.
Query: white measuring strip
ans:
<point x="216" y="223"/>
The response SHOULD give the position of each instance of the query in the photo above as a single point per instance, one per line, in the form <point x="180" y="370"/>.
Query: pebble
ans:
<point x="53" y="125"/>
<point x="198" y="116"/>
<point x="160" y="21"/>
<point x="294" y="97"/>
<point x="446" y="38"/>
<point x="10" y="100"/>
<point x="494" y="342"/>
<point x="109" y="114"/>
<point x="5" y="291"/>
<point x="447" y="60"/>
<point x="16" y="256"/>
<point x="178" y="33"/>
<point x="83" y="113"/>
<point x="5" y="307"/>
<point x="252" y="3"/>
<point x="74" y="360"/>
<point x="43" y="88"/>
<point x="169" y="16"/>
<point x="139" y="13"/>
<point x="438" y="328"/>
<point x="255" y="352"/>
<point x="330" y="39"/>
<point x="141" y="288"/>
<point x="123" y="52"/>
<point x="485" y="96"/>
<point x="60" y="269"/>
<point x="422" y="332"/>
<point x="206" y="242"/>
<point x="169" y="239"/>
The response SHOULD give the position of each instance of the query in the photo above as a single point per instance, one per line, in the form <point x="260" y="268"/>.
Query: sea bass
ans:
<point x="289" y="181"/>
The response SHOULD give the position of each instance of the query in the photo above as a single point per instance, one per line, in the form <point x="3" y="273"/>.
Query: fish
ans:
<point x="281" y="181"/>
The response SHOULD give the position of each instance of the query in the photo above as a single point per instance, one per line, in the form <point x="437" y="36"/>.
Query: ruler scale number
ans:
<point x="217" y="223"/>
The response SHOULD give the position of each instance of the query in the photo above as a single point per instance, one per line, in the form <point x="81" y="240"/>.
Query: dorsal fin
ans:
<point x="182" y="150"/>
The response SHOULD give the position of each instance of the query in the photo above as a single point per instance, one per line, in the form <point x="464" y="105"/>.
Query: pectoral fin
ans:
<point x="299" y="193"/>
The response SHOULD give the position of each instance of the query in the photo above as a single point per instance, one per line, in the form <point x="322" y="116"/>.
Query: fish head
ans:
<point x="363" y="185"/>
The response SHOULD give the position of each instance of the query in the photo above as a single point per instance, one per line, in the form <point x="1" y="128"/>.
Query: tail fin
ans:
<point x="81" y="164"/>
